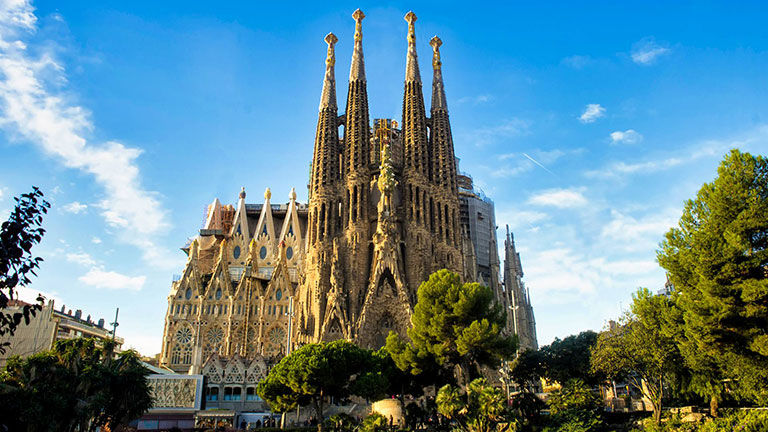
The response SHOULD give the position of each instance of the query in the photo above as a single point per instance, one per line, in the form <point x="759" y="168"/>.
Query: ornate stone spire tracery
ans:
<point x="414" y="113"/>
<point x="356" y="127"/>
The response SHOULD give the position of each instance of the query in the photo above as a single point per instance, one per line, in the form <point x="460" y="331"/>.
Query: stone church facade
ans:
<point x="383" y="214"/>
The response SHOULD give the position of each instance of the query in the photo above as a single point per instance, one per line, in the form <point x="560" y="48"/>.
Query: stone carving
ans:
<point x="176" y="392"/>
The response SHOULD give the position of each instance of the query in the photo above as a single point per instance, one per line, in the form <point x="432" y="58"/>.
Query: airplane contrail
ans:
<point x="539" y="164"/>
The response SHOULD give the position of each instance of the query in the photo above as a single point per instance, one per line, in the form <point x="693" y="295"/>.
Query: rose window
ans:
<point x="184" y="335"/>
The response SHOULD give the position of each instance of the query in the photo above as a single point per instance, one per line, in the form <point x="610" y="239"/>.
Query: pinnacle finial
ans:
<point x="411" y="64"/>
<point x="267" y="194"/>
<point x="411" y="18"/>
<point x="357" y="68"/>
<point x="242" y="192"/>
<point x="436" y="42"/>
<point x="328" y="97"/>
<point x="331" y="40"/>
<point x="292" y="195"/>
<point x="358" y="15"/>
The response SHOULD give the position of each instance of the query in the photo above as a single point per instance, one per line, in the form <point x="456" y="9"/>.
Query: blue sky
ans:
<point x="587" y="124"/>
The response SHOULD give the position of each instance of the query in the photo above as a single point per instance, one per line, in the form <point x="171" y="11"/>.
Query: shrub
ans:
<point x="575" y="408"/>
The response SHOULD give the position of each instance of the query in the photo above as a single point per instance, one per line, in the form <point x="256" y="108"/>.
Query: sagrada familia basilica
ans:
<point x="387" y="207"/>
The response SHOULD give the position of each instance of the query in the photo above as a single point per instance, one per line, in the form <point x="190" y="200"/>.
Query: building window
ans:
<point x="278" y="294"/>
<point x="218" y="294"/>
<point x="289" y="252"/>
<point x="212" y="394"/>
<point x="236" y="252"/>
<point x="250" y="394"/>
<point x="188" y="294"/>
<point x="236" y="393"/>
<point x="263" y="250"/>
<point x="227" y="393"/>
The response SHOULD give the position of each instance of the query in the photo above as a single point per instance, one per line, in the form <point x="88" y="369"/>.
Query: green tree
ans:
<point x="18" y="234"/>
<point x="717" y="259"/>
<point x="482" y="408"/>
<point x="457" y="329"/>
<point x="316" y="371"/>
<point x="76" y="386"/>
<point x="574" y="408"/>
<point x="569" y="359"/>
<point x="640" y="350"/>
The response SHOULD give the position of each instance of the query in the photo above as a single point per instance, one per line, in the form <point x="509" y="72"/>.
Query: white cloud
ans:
<point x="629" y="136"/>
<point x="518" y="219"/>
<point x="75" y="207"/>
<point x="81" y="258"/>
<point x="646" y="51"/>
<point x="632" y="234"/>
<point x="99" y="278"/>
<point x="591" y="113"/>
<point x="95" y="240"/>
<point x="560" y="198"/>
<point x="32" y="110"/>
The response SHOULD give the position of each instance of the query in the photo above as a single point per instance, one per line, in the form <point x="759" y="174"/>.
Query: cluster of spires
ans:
<point x="357" y="83"/>
<point x="427" y="144"/>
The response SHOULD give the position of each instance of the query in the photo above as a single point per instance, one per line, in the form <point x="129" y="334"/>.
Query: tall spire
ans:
<point x="412" y="60"/>
<point x="438" y="90"/>
<point x="414" y="114"/>
<point x="357" y="70"/>
<point x="356" y="127"/>
<point x="440" y="136"/>
<point x="325" y="161"/>
<point x="328" y="98"/>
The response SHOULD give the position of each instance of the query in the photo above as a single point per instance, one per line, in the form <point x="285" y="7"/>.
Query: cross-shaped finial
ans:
<point x="436" y="42"/>
<point x="358" y="16"/>
<point x="410" y="17"/>
<point x="331" y="39"/>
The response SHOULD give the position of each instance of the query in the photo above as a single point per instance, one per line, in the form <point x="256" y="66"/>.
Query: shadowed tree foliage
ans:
<point x="575" y="408"/>
<point x="639" y="349"/>
<point x="456" y="330"/>
<point x="76" y="386"/>
<point x="482" y="408"/>
<point x="313" y="372"/>
<point x="18" y="234"/>
<point x="717" y="259"/>
<point x="568" y="359"/>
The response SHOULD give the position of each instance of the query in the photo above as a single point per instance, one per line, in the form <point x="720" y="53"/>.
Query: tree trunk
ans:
<point x="713" y="406"/>
<point x="319" y="412"/>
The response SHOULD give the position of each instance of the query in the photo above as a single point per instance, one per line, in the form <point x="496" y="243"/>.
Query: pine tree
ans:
<point x="717" y="259"/>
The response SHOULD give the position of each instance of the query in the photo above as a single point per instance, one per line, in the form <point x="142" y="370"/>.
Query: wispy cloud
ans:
<point x="32" y="109"/>
<point x="591" y="113"/>
<point x="560" y="198"/>
<point x="577" y="61"/>
<point x="74" y="207"/>
<point x="629" y="136"/>
<point x="111" y="280"/>
<point x="646" y="51"/>
<point x="81" y="258"/>
<point x="95" y="240"/>
<point x="637" y="234"/>
<point x="701" y="149"/>
<point x="519" y="163"/>
<point x="507" y="129"/>
<point x="474" y="100"/>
